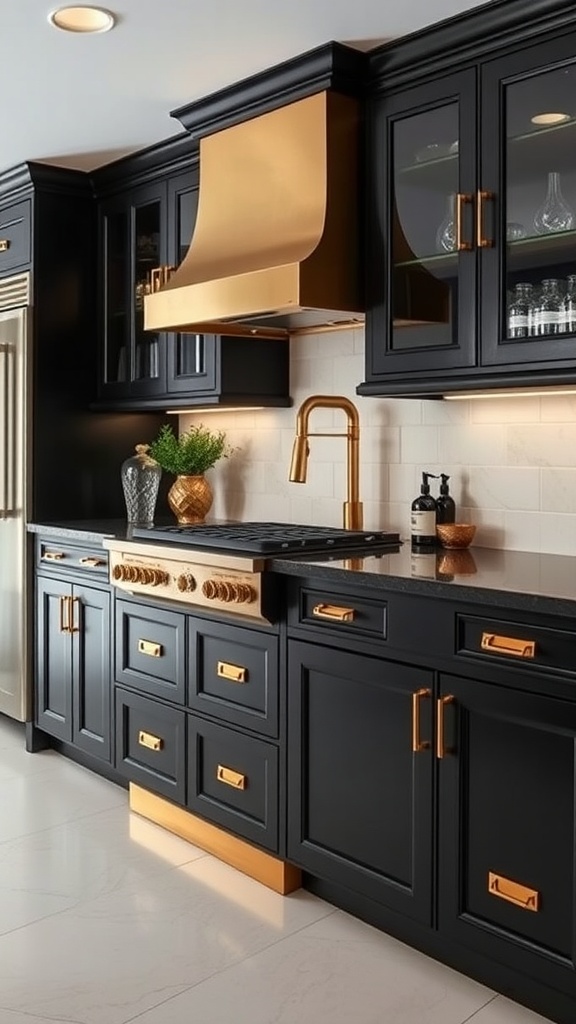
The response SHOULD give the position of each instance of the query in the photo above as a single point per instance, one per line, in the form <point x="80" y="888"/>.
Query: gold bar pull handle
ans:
<point x="333" y="612"/>
<point x="461" y="199"/>
<point x="4" y="244"/>
<point x="513" y="892"/>
<point x="482" y="198"/>
<point x="508" y="645"/>
<point x="441" y="750"/>
<point x="150" y="648"/>
<point x="73" y="603"/>
<point x="64" y="615"/>
<point x="148" y="740"/>
<point x="230" y="777"/>
<point x="417" y="743"/>
<point x="92" y="563"/>
<point x="233" y="673"/>
<point x="53" y="556"/>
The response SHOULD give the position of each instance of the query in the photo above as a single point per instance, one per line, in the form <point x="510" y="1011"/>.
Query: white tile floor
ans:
<point x="106" y="919"/>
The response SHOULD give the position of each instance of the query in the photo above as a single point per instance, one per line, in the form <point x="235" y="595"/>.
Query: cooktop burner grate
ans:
<point x="266" y="538"/>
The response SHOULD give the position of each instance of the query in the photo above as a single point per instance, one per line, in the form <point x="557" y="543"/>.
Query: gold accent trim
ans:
<point x="92" y="562"/>
<point x="270" y="871"/>
<point x="160" y="276"/>
<point x="63" y="622"/>
<point x="418" y="744"/>
<point x="441" y="703"/>
<point x="232" y="673"/>
<point x="153" y="650"/>
<point x="482" y="197"/>
<point x="461" y="199"/>
<point x="513" y="892"/>
<point x="333" y="612"/>
<point x="231" y="778"/>
<point x="53" y="556"/>
<point x="73" y="602"/>
<point x="496" y="644"/>
<point x="148" y="740"/>
<point x="4" y="244"/>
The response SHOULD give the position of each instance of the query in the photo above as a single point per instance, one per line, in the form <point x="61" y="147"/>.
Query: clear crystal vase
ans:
<point x="140" y="477"/>
<point x="555" y="213"/>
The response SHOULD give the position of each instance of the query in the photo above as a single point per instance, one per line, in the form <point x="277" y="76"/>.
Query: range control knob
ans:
<point x="186" y="582"/>
<point x="117" y="572"/>
<point x="159" y="577"/>
<point x="210" y="589"/>
<point x="246" y="593"/>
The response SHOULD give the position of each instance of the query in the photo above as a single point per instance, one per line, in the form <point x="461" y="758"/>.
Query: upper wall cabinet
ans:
<point x="472" y="227"/>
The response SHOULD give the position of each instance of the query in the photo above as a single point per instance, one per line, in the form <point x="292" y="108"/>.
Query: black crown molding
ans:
<point x="178" y="153"/>
<point x="25" y="178"/>
<point x="331" y="66"/>
<point x="478" y="33"/>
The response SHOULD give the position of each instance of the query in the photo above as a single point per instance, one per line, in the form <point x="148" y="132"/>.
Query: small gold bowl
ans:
<point x="455" y="535"/>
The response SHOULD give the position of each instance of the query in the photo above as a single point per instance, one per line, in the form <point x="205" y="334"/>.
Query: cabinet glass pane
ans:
<point x="540" y="206"/>
<point x="146" y="257"/>
<point x="190" y="348"/>
<point x="424" y="278"/>
<point x="117" y="356"/>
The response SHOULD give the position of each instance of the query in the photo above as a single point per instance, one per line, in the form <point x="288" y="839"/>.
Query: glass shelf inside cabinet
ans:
<point x="550" y="249"/>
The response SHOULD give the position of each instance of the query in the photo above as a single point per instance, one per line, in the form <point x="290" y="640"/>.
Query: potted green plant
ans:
<point x="188" y="456"/>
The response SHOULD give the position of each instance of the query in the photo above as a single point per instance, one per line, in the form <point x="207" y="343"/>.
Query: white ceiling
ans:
<point x="82" y="101"/>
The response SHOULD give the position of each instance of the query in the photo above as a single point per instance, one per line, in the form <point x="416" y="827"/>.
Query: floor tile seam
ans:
<point x="58" y="824"/>
<point x="480" y="1008"/>
<point x="39" y="1016"/>
<point x="30" y="924"/>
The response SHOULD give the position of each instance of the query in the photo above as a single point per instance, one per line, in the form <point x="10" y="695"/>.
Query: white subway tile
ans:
<point x="522" y="531"/>
<point x="558" y="408"/>
<point x="419" y="445"/>
<point x="558" y="490"/>
<point x="525" y="409"/>
<point x="543" y="444"/>
<point x="558" y="534"/>
<point x="441" y="412"/>
<point x="506" y="487"/>
<point x="472" y="444"/>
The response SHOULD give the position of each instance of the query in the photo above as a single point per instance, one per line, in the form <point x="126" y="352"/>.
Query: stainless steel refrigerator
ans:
<point x="15" y="384"/>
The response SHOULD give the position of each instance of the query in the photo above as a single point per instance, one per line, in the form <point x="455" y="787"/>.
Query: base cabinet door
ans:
<point x="507" y="821"/>
<point x="360" y="775"/>
<point x="53" y="658"/>
<point x="91" y="672"/>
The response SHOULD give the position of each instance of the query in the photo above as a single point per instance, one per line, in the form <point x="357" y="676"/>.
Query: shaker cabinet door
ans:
<point x="53" y="658"/>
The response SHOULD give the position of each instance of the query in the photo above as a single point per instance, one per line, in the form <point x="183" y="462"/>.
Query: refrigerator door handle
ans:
<point x="8" y="405"/>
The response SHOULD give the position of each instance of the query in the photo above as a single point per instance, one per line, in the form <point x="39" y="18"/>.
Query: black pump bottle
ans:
<point x="445" y="507"/>
<point x="423" y="515"/>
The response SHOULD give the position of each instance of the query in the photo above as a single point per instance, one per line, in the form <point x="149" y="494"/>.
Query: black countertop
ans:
<point x="519" y="580"/>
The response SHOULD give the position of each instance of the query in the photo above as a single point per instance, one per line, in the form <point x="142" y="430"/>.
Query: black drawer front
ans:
<point x="61" y="555"/>
<point x="517" y="644"/>
<point x="341" y="614"/>
<point x="234" y="676"/>
<point x="150" y="650"/>
<point x="15" y="236"/>
<point x="233" y="781"/>
<point x="150" y="744"/>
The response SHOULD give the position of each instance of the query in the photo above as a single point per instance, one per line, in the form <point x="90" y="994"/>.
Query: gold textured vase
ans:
<point x="190" y="499"/>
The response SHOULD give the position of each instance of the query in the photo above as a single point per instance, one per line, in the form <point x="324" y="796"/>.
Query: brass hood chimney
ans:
<point x="275" y="248"/>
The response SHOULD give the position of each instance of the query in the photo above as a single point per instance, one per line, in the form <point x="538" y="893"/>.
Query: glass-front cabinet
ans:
<point x="472" y="227"/>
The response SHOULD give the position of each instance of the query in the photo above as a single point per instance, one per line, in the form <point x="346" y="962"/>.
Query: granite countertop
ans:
<point x="519" y="580"/>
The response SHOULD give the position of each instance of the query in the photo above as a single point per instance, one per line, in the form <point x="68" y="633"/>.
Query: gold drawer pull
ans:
<point x="4" y="244"/>
<point x="441" y="750"/>
<point x="230" y="777"/>
<point x="53" y="556"/>
<point x="91" y="562"/>
<point x="513" y="892"/>
<point x="333" y="612"/>
<point x="508" y="645"/>
<point x="233" y="673"/>
<point x="148" y="740"/>
<point x="417" y="743"/>
<point x="150" y="648"/>
<point x="64" y="609"/>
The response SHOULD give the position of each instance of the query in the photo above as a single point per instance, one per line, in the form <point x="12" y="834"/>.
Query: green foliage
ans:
<point x="191" y="454"/>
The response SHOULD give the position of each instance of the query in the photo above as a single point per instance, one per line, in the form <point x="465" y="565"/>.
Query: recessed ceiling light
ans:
<point x="550" y="118"/>
<point x="82" y="19"/>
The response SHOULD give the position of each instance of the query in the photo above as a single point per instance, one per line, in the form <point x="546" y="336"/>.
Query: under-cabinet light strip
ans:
<point x="459" y="396"/>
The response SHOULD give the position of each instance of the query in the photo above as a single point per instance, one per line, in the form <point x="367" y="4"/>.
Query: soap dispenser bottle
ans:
<point x="445" y="506"/>
<point x="423" y="515"/>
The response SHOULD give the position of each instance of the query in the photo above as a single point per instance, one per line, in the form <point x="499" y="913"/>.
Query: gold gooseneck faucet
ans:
<point x="352" y="509"/>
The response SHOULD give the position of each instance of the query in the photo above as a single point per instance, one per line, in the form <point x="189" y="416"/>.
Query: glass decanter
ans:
<point x="140" y="477"/>
<point x="446" y="234"/>
<point x="555" y="214"/>
<point x="568" y="325"/>
<point x="521" y="312"/>
<point x="548" y="313"/>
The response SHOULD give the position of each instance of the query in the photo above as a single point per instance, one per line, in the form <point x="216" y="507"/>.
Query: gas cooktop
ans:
<point x="267" y="538"/>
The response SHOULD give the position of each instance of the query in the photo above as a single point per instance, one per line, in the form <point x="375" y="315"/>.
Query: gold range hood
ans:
<point x="275" y="247"/>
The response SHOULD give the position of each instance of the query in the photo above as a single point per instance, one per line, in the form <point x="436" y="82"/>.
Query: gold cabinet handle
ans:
<point x="73" y="602"/>
<point x="150" y="648"/>
<point x="333" y="612"/>
<point x="4" y="244"/>
<point x="461" y="199"/>
<point x="482" y="198"/>
<point x="513" y="892"/>
<point x="64" y="616"/>
<point x="233" y="673"/>
<point x="417" y="743"/>
<point x="496" y="644"/>
<point x="230" y="777"/>
<point x="148" y="740"/>
<point x="91" y="562"/>
<point x="53" y="556"/>
<point x="440" y="705"/>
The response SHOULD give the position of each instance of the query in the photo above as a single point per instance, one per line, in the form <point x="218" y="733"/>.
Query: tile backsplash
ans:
<point x="512" y="461"/>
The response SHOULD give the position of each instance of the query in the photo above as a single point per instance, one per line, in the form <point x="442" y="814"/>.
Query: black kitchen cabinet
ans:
<point x="73" y="663"/>
<point x="471" y="223"/>
<point x="15" y="237"/>
<point x="360" y="796"/>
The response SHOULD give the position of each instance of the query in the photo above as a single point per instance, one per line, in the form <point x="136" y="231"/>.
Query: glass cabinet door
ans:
<point x="117" y="368"/>
<point x="424" y="263"/>
<point x="146" y="255"/>
<point x="528" y="217"/>
<point x="191" y="364"/>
